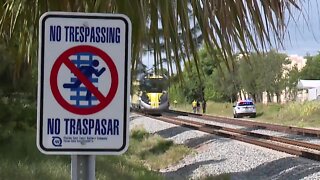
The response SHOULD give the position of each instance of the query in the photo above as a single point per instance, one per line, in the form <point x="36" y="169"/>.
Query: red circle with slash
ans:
<point x="104" y="100"/>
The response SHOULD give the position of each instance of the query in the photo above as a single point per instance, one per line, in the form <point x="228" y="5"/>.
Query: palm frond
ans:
<point x="226" y="25"/>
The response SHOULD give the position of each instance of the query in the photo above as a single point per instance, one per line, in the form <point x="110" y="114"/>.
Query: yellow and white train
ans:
<point x="153" y="97"/>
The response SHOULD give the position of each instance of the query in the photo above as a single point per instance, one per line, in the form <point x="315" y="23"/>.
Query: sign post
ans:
<point x="83" y="167"/>
<point x="83" y="86"/>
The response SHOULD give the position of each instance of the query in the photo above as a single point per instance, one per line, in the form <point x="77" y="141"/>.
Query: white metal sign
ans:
<point x="83" y="85"/>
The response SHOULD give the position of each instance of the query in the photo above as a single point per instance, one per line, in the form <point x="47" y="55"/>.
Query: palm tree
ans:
<point x="225" y="25"/>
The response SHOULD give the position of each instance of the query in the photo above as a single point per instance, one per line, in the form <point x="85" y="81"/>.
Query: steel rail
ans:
<point x="289" y="146"/>
<point x="254" y="124"/>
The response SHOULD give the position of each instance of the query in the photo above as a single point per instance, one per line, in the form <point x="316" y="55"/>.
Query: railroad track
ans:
<point x="253" y="124"/>
<point x="294" y="147"/>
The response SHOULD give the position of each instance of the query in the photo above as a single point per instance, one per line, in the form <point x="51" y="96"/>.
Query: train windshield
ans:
<point x="155" y="85"/>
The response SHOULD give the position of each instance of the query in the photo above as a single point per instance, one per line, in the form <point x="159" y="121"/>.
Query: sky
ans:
<point x="304" y="34"/>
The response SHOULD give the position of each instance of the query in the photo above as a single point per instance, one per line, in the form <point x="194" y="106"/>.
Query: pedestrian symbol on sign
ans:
<point x="87" y="68"/>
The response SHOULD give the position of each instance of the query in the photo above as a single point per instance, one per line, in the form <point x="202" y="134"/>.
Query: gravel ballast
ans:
<point x="217" y="155"/>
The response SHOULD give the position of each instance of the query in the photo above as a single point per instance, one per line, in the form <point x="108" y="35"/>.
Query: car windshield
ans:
<point x="245" y="103"/>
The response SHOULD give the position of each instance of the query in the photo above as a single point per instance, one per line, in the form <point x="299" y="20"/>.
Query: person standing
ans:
<point x="175" y="102"/>
<point x="204" y="106"/>
<point x="87" y="71"/>
<point x="194" y="106"/>
<point x="198" y="106"/>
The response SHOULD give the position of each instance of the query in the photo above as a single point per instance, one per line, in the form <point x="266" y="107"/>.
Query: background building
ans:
<point x="302" y="95"/>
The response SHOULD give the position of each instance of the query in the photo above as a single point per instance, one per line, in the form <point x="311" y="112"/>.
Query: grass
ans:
<point x="20" y="159"/>
<point x="300" y="114"/>
<point x="154" y="151"/>
<point x="305" y="114"/>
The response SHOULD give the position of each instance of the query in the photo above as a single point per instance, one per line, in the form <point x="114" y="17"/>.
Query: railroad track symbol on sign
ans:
<point x="84" y="62"/>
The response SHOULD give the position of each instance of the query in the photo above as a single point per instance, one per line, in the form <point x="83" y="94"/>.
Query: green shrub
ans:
<point x="139" y="134"/>
<point x="16" y="114"/>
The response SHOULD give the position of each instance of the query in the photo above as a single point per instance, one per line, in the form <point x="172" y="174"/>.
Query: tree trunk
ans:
<point x="240" y="94"/>
<point x="254" y="97"/>
<point x="259" y="97"/>
<point x="268" y="97"/>
<point x="278" y="97"/>
<point x="244" y="94"/>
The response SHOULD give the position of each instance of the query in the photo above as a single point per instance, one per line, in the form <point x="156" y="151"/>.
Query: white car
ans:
<point x="244" y="108"/>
